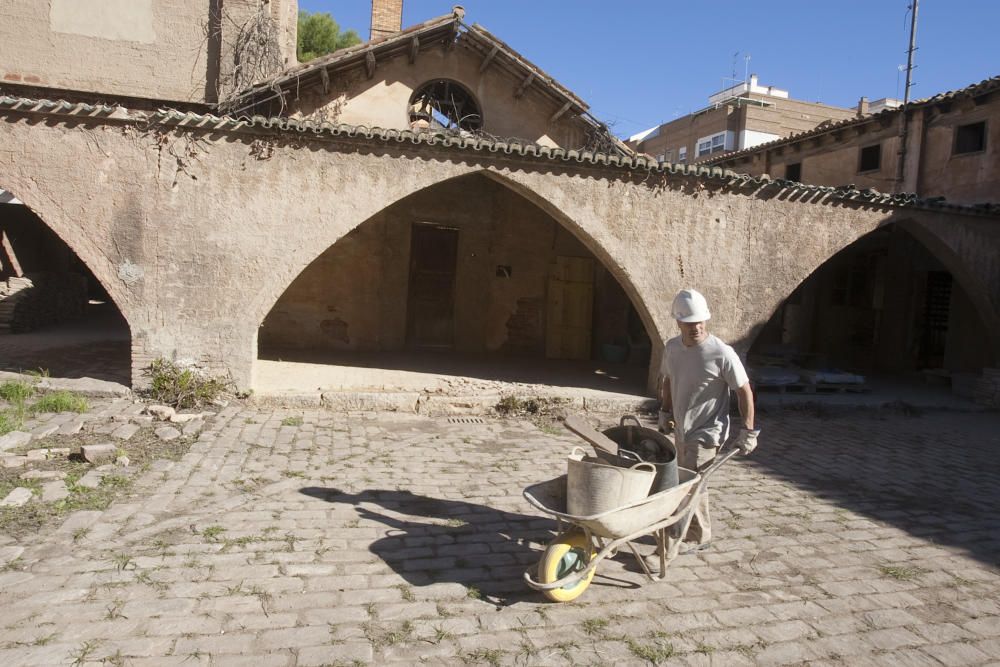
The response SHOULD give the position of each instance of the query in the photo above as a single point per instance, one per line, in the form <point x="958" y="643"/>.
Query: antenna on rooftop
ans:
<point x="909" y="52"/>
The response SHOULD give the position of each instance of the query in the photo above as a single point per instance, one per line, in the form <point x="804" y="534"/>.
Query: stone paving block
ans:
<point x="13" y="440"/>
<point x="10" y="553"/>
<point x="100" y="453"/>
<point x="235" y="643"/>
<point x="958" y="653"/>
<point x="345" y="653"/>
<point x="318" y="635"/>
<point x="125" y="431"/>
<point x="892" y="638"/>
<point x="53" y="491"/>
<point x="43" y="474"/>
<point x="91" y="480"/>
<point x="17" y="497"/>
<point x="13" y="461"/>
<point x="279" y="659"/>
<point x="193" y="427"/>
<point x="79" y="520"/>
<point x="45" y="431"/>
<point x="167" y="433"/>
<point x="71" y="428"/>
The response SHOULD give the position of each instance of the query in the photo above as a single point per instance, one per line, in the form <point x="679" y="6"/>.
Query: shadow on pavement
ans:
<point x="934" y="475"/>
<point x="482" y="548"/>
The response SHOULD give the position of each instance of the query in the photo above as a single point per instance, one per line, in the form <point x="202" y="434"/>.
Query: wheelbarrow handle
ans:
<point x="625" y="418"/>
<point x="717" y="463"/>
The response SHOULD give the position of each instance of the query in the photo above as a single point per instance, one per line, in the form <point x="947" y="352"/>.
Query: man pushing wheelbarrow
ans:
<point x="697" y="374"/>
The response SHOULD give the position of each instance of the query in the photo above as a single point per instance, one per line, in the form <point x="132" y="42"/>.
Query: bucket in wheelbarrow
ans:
<point x="636" y="443"/>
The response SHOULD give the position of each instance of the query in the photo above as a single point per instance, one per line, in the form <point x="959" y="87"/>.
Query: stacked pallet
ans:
<point x="988" y="388"/>
<point x="39" y="299"/>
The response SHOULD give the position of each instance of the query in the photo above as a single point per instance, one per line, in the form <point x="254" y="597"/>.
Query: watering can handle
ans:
<point x="625" y="418"/>
<point x="579" y="451"/>
<point x="644" y="466"/>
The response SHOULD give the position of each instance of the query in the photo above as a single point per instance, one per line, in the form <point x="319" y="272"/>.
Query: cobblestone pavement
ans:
<point x="310" y="538"/>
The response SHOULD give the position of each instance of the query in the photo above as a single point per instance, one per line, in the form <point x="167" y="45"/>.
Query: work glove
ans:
<point x="665" y="421"/>
<point x="746" y="440"/>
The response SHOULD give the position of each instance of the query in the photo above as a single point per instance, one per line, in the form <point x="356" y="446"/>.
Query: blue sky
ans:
<point x="649" y="61"/>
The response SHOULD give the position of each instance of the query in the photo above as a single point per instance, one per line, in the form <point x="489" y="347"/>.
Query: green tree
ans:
<point x="319" y="34"/>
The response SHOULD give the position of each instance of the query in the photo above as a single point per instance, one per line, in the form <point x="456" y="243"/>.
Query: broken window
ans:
<point x="444" y="105"/>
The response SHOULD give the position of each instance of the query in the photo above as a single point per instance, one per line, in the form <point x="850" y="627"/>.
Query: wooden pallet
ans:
<point x="812" y="388"/>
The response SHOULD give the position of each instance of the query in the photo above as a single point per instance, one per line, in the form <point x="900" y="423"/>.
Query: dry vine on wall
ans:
<point x="256" y="51"/>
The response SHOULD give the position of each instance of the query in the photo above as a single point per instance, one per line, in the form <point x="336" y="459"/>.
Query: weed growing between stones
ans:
<point x="656" y="652"/>
<point x="901" y="572"/>
<point x="183" y="388"/>
<point x="490" y="656"/>
<point x="60" y="401"/>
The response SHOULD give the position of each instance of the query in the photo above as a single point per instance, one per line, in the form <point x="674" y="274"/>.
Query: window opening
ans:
<point x="682" y="155"/>
<point x="793" y="172"/>
<point x="970" y="138"/>
<point x="444" y="105"/>
<point x="871" y="158"/>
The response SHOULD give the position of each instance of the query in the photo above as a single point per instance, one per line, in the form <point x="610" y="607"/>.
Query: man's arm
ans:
<point x="745" y="397"/>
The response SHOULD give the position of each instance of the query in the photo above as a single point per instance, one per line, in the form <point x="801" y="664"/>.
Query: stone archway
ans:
<point x="56" y="315"/>
<point x="357" y="295"/>
<point x="892" y="302"/>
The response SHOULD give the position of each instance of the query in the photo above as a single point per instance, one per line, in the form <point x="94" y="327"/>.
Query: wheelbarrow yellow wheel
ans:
<point x="569" y="552"/>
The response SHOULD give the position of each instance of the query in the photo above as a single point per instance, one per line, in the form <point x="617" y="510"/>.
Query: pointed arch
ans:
<point x="937" y="249"/>
<point x="583" y="235"/>
<point x="35" y="247"/>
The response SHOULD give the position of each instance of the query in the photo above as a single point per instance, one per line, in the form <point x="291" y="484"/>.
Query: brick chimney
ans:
<point x="387" y="18"/>
<point x="863" y="106"/>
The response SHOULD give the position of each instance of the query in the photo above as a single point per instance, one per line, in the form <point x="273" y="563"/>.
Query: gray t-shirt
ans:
<point x="701" y="378"/>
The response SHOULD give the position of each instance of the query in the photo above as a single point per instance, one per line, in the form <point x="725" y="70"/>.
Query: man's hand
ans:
<point x="665" y="421"/>
<point x="746" y="441"/>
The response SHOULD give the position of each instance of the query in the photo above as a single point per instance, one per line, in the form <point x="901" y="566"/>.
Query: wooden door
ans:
<point x="430" y="310"/>
<point x="570" y="308"/>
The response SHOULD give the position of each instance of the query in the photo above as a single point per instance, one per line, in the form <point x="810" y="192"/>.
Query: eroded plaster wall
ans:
<point x="354" y="296"/>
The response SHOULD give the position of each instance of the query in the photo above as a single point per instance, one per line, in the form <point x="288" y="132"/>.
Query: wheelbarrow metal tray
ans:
<point x="550" y="497"/>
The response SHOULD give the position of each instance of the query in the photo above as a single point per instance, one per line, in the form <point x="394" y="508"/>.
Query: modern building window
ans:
<point x="970" y="138"/>
<point x="669" y="156"/>
<point x="871" y="158"/>
<point x="713" y="143"/>
<point x="661" y="158"/>
<point x="682" y="155"/>
<point x="793" y="172"/>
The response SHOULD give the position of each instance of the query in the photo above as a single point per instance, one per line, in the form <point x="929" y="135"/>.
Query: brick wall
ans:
<point x="387" y="17"/>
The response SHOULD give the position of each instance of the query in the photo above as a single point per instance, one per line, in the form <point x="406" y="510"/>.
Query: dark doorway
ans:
<point x="430" y="311"/>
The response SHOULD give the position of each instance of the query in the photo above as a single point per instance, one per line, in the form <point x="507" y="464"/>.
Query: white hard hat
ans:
<point x="690" y="306"/>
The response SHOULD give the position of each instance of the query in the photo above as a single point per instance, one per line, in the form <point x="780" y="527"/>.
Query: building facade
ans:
<point x="889" y="303"/>
<point x="738" y="117"/>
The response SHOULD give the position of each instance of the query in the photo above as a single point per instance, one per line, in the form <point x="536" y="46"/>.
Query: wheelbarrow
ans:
<point x="570" y="561"/>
